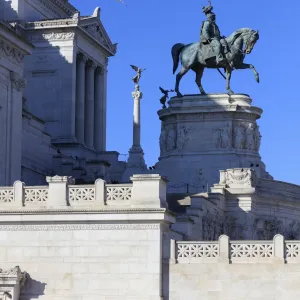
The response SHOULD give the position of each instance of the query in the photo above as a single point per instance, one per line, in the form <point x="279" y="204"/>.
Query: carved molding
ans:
<point x="212" y="116"/>
<point x="238" y="177"/>
<point x="18" y="83"/>
<point x="51" y="23"/>
<point x="60" y="8"/>
<point x="12" y="282"/>
<point x="51" y="36"/>
<point x="12" y="52"/>
<point x="61" y="227"/>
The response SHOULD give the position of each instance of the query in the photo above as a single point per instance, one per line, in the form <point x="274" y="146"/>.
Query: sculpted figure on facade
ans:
<point x="239" y="137"/>
<point x="250" y="141"/>
<point x="171" y="139"/>
<point x="163" y="141"/>
<point x="183" y="137"/>
<point x="257" y="139"/>
<point x="224" y="137"/>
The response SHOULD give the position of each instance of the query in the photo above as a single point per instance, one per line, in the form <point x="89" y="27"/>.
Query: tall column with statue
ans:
<point x="136" y="162"/>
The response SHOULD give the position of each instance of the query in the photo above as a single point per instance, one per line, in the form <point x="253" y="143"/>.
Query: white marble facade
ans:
<point x="64" y="111"/>
<point x="13" y="49"/>
<point x="61" y="240"/>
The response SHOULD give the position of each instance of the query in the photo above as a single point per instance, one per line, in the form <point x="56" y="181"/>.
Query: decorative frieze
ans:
<point x="51" y="23"/>
<point x="18" y="83"/>
<point x="15" y="54"/>
<point x="51" y="36"/>
<point x="63" y="227"/>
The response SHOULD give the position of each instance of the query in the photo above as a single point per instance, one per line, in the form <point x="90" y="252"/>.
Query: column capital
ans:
<point x="137" y="94"/>
<point x="82" y="57"/>
<point x="99" y="70"/>
<point x="91" y="64"/>
<point x="19" y="83"/>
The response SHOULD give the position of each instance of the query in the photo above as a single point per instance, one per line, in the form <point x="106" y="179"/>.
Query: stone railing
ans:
<point x="228" y="251"/>
<point x="146" y="191"/>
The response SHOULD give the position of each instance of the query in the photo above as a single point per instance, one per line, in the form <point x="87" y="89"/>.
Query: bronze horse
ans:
<point x="198" y="57"/>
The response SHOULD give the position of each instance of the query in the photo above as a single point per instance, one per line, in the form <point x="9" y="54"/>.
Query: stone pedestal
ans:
<point x="201" y="135"/>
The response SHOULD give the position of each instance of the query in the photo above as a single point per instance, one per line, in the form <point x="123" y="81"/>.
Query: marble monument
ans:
<point x="210" y="223"/>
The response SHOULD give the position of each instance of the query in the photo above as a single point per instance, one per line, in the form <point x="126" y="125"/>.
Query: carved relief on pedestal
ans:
<point x="250" y="142"/>
<point x="239" y="137"/>
<point x="171" y="139"/>
<point x="183" y="137"/>
<point x="163" y="141"/>
<point x="247" y="136"/>
<point x="224" y="140"/>
<point x="257" y="139"/>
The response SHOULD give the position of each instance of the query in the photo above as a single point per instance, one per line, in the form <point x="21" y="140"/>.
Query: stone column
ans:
<point x="137" y="96"/>
<point x="100" y="126"/>
<point x="80" y="96"/>
<point x="14" y="138"/>
<point x="136" y="162"/>
<point x="89" y="104"/>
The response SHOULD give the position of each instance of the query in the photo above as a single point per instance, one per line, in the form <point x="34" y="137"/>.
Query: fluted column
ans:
<point x="80" y="97"/>
<point x="99" y="110"/>
<point x="89" y="104"/>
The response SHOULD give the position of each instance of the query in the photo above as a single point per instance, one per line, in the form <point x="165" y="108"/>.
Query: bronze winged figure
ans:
<point x="164" y="98"/>
<point x="137" y="77"/>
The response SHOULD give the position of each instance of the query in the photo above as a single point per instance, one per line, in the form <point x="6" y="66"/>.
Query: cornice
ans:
<point x="84" y="211"/>
<point x="62" y="227"/>
<point x="60" y="8"/>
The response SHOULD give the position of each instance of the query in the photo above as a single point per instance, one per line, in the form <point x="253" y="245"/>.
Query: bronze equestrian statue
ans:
<point x="214" y="52"/>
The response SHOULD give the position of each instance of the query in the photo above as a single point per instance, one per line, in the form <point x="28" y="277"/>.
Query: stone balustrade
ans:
<point x="228" y="251"/>
<point x="62" y="192"/>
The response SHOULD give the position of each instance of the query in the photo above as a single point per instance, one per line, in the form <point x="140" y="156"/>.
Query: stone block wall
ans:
<point x="81" y="261"/>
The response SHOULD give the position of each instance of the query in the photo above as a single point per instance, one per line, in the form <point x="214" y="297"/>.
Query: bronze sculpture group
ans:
<point x="214" y="51"/>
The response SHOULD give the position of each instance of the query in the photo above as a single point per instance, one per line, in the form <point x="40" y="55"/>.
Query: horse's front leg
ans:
<point x="228" y="77"/>
<point x="249" y="66"/>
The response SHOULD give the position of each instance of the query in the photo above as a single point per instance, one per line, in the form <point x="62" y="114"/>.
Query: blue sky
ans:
<point x="147" y="29"/>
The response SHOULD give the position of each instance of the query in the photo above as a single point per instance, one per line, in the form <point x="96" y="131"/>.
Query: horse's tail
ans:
<point x="176" y="49"/>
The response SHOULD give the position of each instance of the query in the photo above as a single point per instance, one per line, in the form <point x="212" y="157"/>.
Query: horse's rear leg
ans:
<point x="228" y="78"/>
<point x="199" y="73"/>
<point x="181" y="73"/>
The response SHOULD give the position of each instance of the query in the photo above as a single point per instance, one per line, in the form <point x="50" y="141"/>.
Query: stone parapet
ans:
<point x="225" y="250"/>
<point x="146" y="191"/>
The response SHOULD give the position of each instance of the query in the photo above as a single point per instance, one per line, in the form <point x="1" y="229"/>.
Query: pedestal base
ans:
<point x="201" y="135"/>
<point x="135" y="164"/>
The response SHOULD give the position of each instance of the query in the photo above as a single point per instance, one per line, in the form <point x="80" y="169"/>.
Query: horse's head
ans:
<point x="250" y="40"/>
